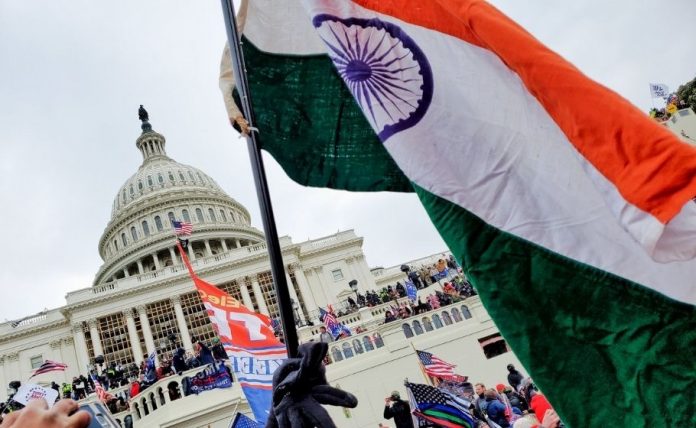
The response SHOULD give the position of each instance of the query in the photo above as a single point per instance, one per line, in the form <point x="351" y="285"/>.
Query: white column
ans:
<point x="307" y="297"/>
<point x="224" y="245"/>
<point x="80" y="347"/>
<point x="244" y="290"/>
<point x="208" y="250"/>
<point x="181" y="322"/>
<point x="157" y="262"/>
<point x="141" y="270"/>
<point x="133" y="336"/>
<point x="125" y="272"/>
<point x="364" y="271"/>
<point x="147" y="332"/>
<point x="259" y="296"/>
<point x="172" y="253"/>
<point x="237" y="243"/>
<point x="191" y="253"/>
<point x="96" y="340"/>
<point x="293" y="296"/>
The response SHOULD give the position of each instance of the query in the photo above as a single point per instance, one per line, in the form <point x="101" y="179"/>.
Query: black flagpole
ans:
<point x="277" y="270"/>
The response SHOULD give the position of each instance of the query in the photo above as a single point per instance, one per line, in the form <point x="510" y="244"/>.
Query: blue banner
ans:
<point x="210" y="377"/>
<point x="411" y="291"/>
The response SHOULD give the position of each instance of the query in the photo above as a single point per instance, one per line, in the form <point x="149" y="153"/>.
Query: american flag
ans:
<point x="332" y="324"/>
<point x="435" y="406"/>
<point x="244" y="421"/>
<point x="182" y="227"/>
<point x="434" y="366"/>
<point x="49" y="366"/>
<point x="102" y="394"/>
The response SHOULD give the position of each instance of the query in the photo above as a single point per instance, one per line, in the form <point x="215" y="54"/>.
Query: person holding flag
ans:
<point x="336" y="329"/>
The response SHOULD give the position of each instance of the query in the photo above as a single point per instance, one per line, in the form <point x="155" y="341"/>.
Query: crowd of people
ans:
<point x="674" y="103"/>
<point x="140" y="377"/>
<point x="517" y="404"/>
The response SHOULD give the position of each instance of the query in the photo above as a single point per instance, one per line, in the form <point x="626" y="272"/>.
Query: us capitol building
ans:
<point x="142" y="295"/>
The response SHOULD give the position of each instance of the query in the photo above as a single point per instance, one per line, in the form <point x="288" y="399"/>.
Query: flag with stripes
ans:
<point x="332" y="324"/>
<point x="103" y="395"/>
<point x="434" y="366"/>
<point x="546" y="199"/>
<point x="49" y="366"/>
<point x="182" y="228"/>
<point x="434" y="406"/>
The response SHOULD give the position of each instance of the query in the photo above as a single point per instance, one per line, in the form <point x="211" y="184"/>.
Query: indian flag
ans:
<point x="570" y="210"/>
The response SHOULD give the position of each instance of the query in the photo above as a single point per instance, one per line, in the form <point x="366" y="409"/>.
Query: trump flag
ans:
<point x="254" y="351"/>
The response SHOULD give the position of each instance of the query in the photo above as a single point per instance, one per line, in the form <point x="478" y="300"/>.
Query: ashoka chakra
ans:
<point x="386" y="71"/>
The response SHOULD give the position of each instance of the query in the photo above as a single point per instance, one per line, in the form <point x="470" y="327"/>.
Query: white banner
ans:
<point x="659" y="90"/>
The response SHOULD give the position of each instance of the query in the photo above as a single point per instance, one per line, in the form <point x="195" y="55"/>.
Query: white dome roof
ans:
<point x="157" y="175"/>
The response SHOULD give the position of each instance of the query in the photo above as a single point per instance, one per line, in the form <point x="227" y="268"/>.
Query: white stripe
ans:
<point x="267" y="19"/>
<point x="487" y="145"/>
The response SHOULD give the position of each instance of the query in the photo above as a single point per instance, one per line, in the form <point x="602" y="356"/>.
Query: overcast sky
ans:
<point x="72" y="74"/>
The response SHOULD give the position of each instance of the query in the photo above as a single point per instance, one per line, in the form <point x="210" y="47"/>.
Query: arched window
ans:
<point x="466" y="312"/>
<point x="211" y="213"/>
<point x="123" y="238"/>
<point x="232" y="216"/>
<point x="347" y="350"/>
<point x="116" y="244"/>
<point x="140" y="186"/>
<point x="160" y="179"/>
<point x="170" y="214"/>
<point x="437" y="321"/>
<point x="446" y="318"/>
<point x="336" y="354"/>
<point x="134" y="234"/>
<point x="417" y="327"/>
<point x="158" y="223"/>
<point x="146" y="228"/>
<point x="377" y="338"/>
<point x="367" y="343"/>
<point x="132" y="191"/>
<point x="456" y="315"/>
<point x="149" y="180"/>
<point x="427" y="324"/>
<point x="124" y="196"/>
<point x="190" y="174"/>
<point x="408" y="332"/>
<point x="357" y="346"/>
<point x="223" y="216"/>
<point x="171" y="177"/>
<point x="199" y="215"/>
<point x="185" y="215"/>
<point x="181" y="176"/>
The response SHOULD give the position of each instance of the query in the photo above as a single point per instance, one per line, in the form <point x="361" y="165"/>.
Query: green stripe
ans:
<point x="445" y="416"/>
<point x="310" y="123"/>
<point x="605" y="351"/>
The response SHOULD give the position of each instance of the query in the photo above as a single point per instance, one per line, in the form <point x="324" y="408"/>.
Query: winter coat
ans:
<point x="401" y="412"/>
<point x="496" y="412"/>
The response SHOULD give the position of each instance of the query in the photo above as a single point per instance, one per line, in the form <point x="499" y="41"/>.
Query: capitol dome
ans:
<point x="139" y="238"/>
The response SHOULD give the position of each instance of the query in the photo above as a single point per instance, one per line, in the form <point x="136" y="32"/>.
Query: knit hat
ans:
<point x="500" y="387"/>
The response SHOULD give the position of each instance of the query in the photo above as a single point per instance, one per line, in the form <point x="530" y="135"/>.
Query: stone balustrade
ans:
<point x="138" y="280"/>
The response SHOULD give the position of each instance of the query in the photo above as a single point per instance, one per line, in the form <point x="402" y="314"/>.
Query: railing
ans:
<point x="139" y="279"/>
<point x="410" y="327"/>
<point x="43" y="317"/>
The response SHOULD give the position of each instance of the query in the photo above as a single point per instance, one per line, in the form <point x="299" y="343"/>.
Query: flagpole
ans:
<point x="420" y="364"/>
<point x="277" y="270"/>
